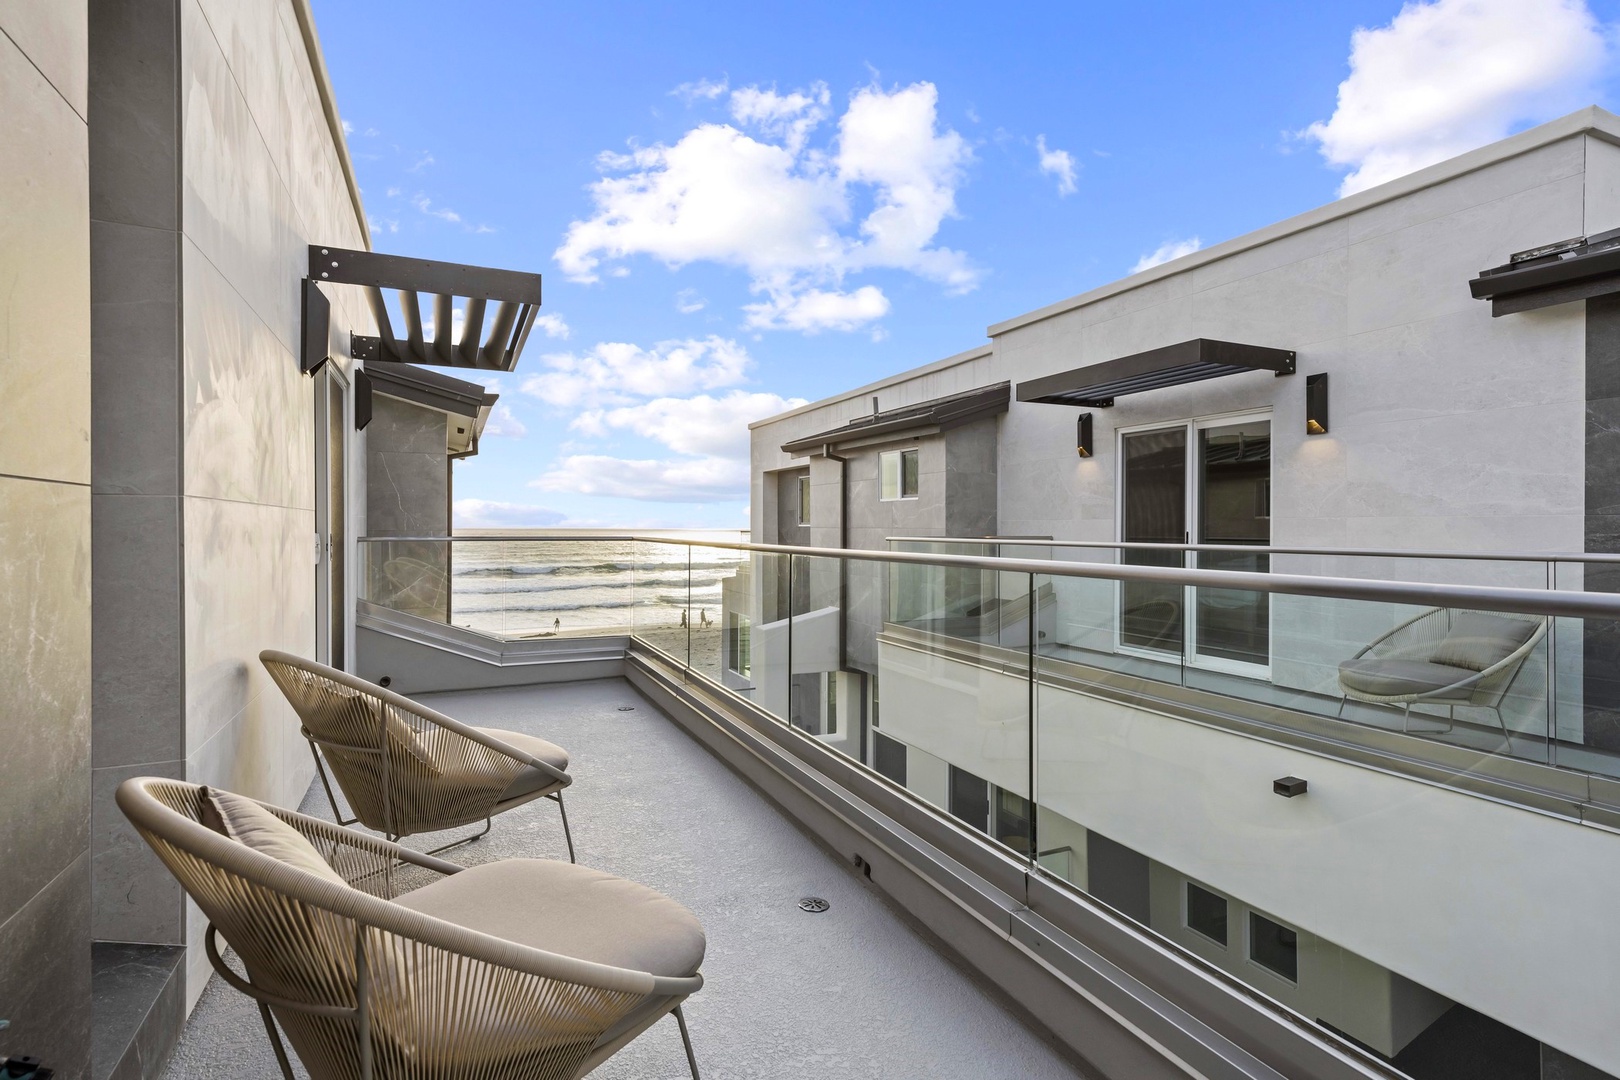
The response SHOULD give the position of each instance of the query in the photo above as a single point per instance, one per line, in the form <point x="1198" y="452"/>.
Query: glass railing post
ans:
<point x="1033" y="635"/>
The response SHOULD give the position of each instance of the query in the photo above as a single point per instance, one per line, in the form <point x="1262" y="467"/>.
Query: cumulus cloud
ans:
<point x="688" y="302"/>
<point x="1170" y="249"/>
<point x="484" y="514"/>
<point x="814" y="310"/>
<point x="678" y="480"/>
<point x="552" y="325"/>
<point x="701" y="425"/>
<point x="503" y="423"/>
<point x="700" y="90"/>
<point x="757" y="196"/>
<point x="1448" y="76"/>
<point x="614" y="373"/>
<point x="1058" y="163"/>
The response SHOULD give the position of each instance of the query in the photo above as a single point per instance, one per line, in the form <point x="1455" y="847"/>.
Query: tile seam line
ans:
<point x="84" y="855"/>
<point x="230" y="283"/>
<point x="48" y="80"/>
<point x="44" y="480"/>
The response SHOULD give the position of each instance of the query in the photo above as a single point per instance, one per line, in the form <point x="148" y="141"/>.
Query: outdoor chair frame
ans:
<point x="365" y="989"/>
<point x="403" y="767"/>
<point x="1417" y="639"/>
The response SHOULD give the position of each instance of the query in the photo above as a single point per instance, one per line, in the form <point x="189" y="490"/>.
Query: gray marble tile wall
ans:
<point x="45" y="543"/>
<point x="1600" y="644"/>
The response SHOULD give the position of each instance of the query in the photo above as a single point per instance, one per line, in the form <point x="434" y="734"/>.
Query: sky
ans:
<point x="737" y="208"/>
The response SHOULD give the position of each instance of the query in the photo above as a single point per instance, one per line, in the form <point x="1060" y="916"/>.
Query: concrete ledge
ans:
<point x="138" y="1008"/>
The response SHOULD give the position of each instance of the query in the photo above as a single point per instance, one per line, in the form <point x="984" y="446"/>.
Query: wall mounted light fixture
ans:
<point x="1082" y="435"/>
<point x="1316" y="404"/>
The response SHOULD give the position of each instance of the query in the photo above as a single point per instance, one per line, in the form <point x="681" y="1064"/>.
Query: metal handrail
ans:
<point x="1256" y="549"/>
<point x="1493" y="598"/>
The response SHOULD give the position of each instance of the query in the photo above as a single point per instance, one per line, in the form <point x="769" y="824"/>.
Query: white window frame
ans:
<point x="897" y="457"/>
<point x="1190" y="656"/>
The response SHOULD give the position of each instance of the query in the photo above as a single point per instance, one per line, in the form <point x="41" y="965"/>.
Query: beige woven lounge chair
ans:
<point x="526" y="969"/>
<point x="406" y="769"/>
<point x="1446" y="657"/>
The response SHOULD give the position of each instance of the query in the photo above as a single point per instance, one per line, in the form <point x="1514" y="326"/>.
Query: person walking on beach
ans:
<point x="556" y="626"/>
<point x="683" y="619"/>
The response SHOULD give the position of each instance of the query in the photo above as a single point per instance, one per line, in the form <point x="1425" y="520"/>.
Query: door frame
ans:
<point x="325" y="379"/>
<point x="1189" y="656"/>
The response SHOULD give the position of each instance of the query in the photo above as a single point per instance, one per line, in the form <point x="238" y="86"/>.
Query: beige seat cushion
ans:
<point x="1403" y="678"/>
<point x="530" y="779"/>
<point x="569" y="910"/>
<point x="246" y="822"/>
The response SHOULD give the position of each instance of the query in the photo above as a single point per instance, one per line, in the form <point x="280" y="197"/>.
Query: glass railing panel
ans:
<point x="408" y="576"/>
<point x="1586" y="675"/>
<point x="720" y="637"/>
<point x="662" y="612"/>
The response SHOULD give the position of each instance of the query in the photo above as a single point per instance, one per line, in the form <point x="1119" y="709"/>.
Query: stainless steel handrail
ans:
<point x="1255" y="549"/>
<point x="1489" y="598"/>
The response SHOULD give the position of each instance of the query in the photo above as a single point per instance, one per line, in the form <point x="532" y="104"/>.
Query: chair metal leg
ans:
<point x="463" y="840"/>
<point x="320" y="767"/>
<point x="275" y="1042"/>
<point x="566" y="834"/>
<point x="1342" y="703"/>
<point x="1507" y="736"/>
<point x="686" y="1039"/>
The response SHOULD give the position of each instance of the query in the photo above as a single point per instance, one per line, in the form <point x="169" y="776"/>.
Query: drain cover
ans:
<point x="813" y="904"/>
<point x="627" y="708"/>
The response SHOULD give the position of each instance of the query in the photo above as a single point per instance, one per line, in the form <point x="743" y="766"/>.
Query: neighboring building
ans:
<point x="185" y="482"/>
<point x="1189" y="404"/>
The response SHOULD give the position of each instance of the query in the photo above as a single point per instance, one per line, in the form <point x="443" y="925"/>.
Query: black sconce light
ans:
<point x="1316" y="404"/>
<point x="1082" y="435"/>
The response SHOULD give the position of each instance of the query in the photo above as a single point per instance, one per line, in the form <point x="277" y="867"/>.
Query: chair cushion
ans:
<point x="569" y="910"/>
<point x="246" y="822"/>
<point x="1477" y="640"/>
<point x="530" y="779"/>
<point x="1402" y="678"/>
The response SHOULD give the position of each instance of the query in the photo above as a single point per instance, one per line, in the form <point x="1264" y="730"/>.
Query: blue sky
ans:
<point x="735" y="207"/>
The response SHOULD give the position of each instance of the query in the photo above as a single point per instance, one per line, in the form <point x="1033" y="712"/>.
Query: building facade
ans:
<point x="1318" y="397"/>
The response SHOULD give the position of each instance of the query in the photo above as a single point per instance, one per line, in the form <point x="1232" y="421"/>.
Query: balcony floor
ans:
<point x="851" y="993"/>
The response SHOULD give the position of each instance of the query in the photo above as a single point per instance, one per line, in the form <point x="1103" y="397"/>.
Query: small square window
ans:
<point x="899" y="474"/>
<point x="1273" y="946"/>
<point x="1206" y="913"/>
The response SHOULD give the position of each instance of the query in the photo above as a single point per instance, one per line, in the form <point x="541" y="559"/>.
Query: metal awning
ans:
<point x="1575" y="269"/>
<point x="939" y="414"/>
<point x="515" y="294"/>
<point x="1097" y="385"/>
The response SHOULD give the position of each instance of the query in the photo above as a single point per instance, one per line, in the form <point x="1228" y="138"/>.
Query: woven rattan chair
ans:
<point x="1446" y="657"/>
<point x="491" y="972"/>
<point x="406" y="769"/>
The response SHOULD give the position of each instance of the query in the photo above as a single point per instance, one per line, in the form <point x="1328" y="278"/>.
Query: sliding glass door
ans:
<point x="1202" y="482"/>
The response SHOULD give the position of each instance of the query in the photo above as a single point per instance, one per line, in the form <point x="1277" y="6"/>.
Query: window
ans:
<point x="1273" y="946"/>
<point x="899" y="474"/>
<point x="804" y="499"/>
<point x="1206" y="913"/>
<point x="832" y="703"/>
<point x="1014" y="824"/>
<point x="970" y="798"/>
<point x="739" y="644"/>
<point x="890" y="758"/>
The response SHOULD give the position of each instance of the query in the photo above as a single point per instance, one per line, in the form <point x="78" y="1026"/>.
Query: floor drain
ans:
<point x="813" y="904"/>
<point x="627" y="708"/>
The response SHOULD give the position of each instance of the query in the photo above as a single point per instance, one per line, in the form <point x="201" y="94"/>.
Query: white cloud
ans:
<point x="702" y="425"/>
<point x="552" y="325"/>
<point x="1059" y="163"/>
<point x="615" y="373"/>
<point x="700" y="90"/>
<point x="680" y="480"/>
<point x="688" y="302"/>
<point x="483" y="514"/>
<point x="762" y="200"/>
<point x="814" y="310"/>
<point x="422" y="162"/>
<point x="1446" y="77"/>
<point x="1170" y="249"/>
<point x="348" y="128"/>
<point x="425" y="205"/>
<point x="503" y="423"/>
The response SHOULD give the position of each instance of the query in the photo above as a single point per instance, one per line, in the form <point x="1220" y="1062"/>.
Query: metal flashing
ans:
<point x="926" y="417"/>
<point x="1558" y="273"/>
<point x="1097" y="385"/>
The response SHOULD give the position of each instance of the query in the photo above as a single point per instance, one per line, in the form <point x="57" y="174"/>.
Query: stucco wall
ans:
<point x="45" y="545"/>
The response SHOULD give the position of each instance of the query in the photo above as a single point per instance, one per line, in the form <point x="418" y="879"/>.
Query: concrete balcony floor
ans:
<point x="851" y="993"/>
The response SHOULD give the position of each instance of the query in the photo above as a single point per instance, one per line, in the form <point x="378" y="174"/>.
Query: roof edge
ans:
<point x="978" y="352"/>
<point x="1591" y="120"/>
<point x="334" y="121"/>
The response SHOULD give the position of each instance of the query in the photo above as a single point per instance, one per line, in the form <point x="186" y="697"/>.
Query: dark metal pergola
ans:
<point x="1097" y="385"/>
<point x="514" y="294"/>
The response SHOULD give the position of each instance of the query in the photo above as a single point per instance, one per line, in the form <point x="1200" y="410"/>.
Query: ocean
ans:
<point x="552" y="581"/>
